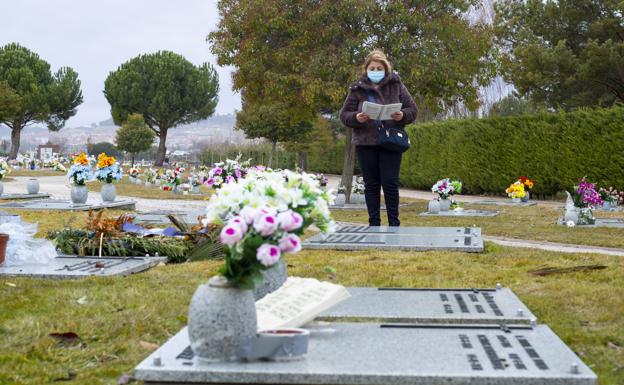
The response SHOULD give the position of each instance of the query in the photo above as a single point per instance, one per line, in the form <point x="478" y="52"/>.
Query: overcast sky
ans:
<point x="95" y="37"/>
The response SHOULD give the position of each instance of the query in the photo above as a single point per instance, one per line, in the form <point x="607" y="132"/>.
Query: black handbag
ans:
<point x="391" y="138"/>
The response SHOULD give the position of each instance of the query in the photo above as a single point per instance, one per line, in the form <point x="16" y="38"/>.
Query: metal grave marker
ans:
<point x="368" y="354"/>
<point x="461" y="213"/>
<point x="24" y="196"/>
<point x="503" y="203"/>
<point x="600" y="222"/>
<point x="63" y="205"/>
<point x="412" y="305"/>
<point x="408" y="230"/>
<point x="435" y="238"/>
<point x="65" y="267"/>
<point x="159" y="217"/>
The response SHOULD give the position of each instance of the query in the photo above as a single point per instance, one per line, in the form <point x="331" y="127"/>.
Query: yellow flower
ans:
<point x="81" y="159"/>
<point x="105" y="161"/>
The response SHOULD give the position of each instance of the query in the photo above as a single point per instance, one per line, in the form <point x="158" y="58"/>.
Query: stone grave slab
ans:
<point x="397" y="354"/>
<point x="24" y="196"/>
<point x="461" y="213"/>
<point x="493" y="202"/>
<point x="408" y="230"/>
<point x="63" y="205"/>
<point x="600" y="222"/>
<point x="437" y="239"/>
<point x="357" y="206"/>
<point x="159" y="217"/>
<point x="412" y="305"/>
<point x="70" y="267"/>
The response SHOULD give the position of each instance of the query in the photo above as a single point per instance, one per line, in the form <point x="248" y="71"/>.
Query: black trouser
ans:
<point x="380" y="168"/>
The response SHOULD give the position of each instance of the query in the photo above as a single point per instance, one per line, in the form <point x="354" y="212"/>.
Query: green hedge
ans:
<point x="487" y="154"/>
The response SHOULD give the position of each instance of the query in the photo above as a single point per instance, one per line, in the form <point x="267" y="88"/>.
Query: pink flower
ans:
<point x="268" y="255"/>
<point x="217" y="171"/>
<point x="231" y="234"/>
<point x="265" y="224"/>
<point x="229" y="179"/>
<point x="209" y="182"/>
<point x="237" y="173"/>
<point x="290" y="243"/>
<point x="240" y="222"/>
<point x="290" y="220"/>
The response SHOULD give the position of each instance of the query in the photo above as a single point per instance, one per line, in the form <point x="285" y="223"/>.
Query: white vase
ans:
<point x="222" y="320"/>
<point x="572" y="214"/>
<point x="108" y="192"/>
<point x="445" y="204"/>
<point x="79" y="194"/>
<point x="32" y="186"/>
<point x="434" y="206"/>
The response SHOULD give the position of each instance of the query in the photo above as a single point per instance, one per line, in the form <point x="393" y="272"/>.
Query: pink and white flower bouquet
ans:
<point x="263" y="216"/>
<point x="227" y="172"/>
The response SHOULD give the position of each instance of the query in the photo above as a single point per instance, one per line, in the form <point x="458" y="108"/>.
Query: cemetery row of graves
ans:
<point x="144" y="303"/>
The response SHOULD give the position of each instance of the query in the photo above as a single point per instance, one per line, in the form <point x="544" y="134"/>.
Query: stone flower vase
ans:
<point x="434" y="206"/>
<point x="445" y="204"/>
<point x="148" y="184"/>
<point x="222" y="320"/>
<point x="32" y="186"/>
<point x="274" y="278"/>
<point x="357" y="199"/>
<point x="157" y="182"/>
<point x="79" y="194"/>
<point x="1" y="188"/>
<point x="108" y="192"/>
<point x="340" y="199"/>
<point x="526" y="197"/>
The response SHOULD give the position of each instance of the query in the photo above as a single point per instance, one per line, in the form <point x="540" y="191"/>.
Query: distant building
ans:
<point x="48" y="152"/>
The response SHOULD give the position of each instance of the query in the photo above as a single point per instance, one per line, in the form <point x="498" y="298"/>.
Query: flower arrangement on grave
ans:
<point x="107" y="169"/>
<point x="227" y="172"/>
<point x="58" y="166"/>
<point x="5" y="168"/>
<point x="585" y="198"/>
<point x="609" y="196"/>
<point x="516" y="190"/>
<point x="527" y="182"/>
<point x="263" y="216"/>
<point x="80" y="171"/>
<point x="445" y="188"/>
<point x="323" y="180"/>
<point x="150" y="175"/>
<point x="134" y="172"/>
<point x="358" y="186"/>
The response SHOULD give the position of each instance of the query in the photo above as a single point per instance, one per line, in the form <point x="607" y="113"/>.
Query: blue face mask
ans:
<point x="376" y="76"/>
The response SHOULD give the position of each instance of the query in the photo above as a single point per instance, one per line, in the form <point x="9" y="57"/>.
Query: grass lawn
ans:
<point x="125" y="318"/>
<point x="532" y="222"/>
<point x="36" y="173"/>
<point x="125" y="188"/>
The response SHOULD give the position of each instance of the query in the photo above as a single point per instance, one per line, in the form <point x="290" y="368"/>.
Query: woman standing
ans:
<point x="380" y="167"/>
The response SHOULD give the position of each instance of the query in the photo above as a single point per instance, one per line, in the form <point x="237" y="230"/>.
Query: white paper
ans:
<point x="380" y="111"/>
<point x="297" y="302"/>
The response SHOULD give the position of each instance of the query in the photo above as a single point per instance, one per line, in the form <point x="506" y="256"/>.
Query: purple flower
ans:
<point x="217" y="171"/>
<point x="290" y="220"/>
<point x="231" y="234"/>
<point x="268" y="255"/>
<point x="229" y="179"/>
<point x="209" y="182"/>
<point x="290" y="243"/>
<point x="265" y="224"/>
<point x="237" y="173"/>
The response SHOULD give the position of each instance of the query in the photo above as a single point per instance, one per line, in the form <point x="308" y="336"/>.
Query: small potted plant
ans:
<point x="4" y="169"/>
<point x="516" y="191"/>
<point x="445" y="189"/>
<point x="263" y="216"/>
<point x="79" y="173"/>
<point x="108" y="171"/>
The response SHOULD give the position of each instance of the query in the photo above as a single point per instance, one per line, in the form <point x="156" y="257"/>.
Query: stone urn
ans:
<point x="108" y="193"/>
<point x="1" y="188"/>
<point x="340" y="199"/>
<point x="148" y="184"/>
<point x="222" y="320"/>
<point x="79" y="194"/>
<point x="274" y="278"/>
<point x="132" y="179"/>
<point x="434" y="206"/>
<point x="445" y="204"/>
<point x="32" y="186"/>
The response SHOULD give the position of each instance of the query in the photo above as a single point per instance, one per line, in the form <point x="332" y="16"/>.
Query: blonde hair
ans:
<point x="377" y="55"/>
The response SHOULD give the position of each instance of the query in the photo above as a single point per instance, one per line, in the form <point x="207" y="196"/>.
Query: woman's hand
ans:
<point x="397" y="116"/>
<point x="361" y="117"/>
